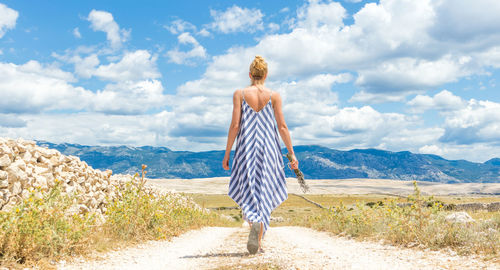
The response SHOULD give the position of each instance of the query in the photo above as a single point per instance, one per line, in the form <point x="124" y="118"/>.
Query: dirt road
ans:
<point x="285" y="248"/>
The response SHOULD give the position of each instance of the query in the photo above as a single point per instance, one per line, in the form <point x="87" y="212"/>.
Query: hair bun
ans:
<point x="260" y="63"/>
<point x="258" y="68"/>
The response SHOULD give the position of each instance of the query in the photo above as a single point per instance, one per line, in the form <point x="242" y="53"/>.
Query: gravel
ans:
<point x="285" y="247"/>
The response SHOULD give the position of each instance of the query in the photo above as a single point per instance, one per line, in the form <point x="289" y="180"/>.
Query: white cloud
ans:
<point x="317" y="14"/>
<point x="237" y="19"/>
<point x="85" y="67"/>
<point x="11" y="121"/>
<point x="33" y="87"/>
<point x="130" y="97"/>
<point x="180" y="26"/>
<point x="478" y="152"/>
<point x="462" y="20"/>
<point x="203" y="32"/>
<point x="104" y="21"/>
<point x="273" y="27"/>
<point x="442" y="101"/>
<point x="8" y="18"/>
<point x="133" y="66"/>
<point x="76" y="33"/>
<point x="184" y="57"/>
<point x="368" y="97"/>
<point x="411" y="74"/>
<point x="92" y="128"/>
<point x="477" y="122"/>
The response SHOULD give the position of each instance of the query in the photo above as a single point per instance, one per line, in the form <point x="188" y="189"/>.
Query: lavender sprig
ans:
<point x="300" y="176"/>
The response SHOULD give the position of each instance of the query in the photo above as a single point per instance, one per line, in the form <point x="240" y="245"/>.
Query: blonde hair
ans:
<point x="258" y="69"/>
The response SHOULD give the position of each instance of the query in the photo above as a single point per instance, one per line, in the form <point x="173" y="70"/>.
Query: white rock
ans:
<point x="16" y="174"/>
<point x="16" y="188"/>
<point x="40" y="181"/>
<point x="3" y="175"/>
<point x="4" y="149"/>
<point x="4" y="184"/>
<point x="25" y="194"/>
<point x="459" y="217"/>
<point x="5" y="160"/>
<point x="20" y="164"/>
<point x="40" y="169"/>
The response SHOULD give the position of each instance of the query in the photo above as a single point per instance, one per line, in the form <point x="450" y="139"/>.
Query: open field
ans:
<point x="212" y="193"/>
<point x="219" y="185"/>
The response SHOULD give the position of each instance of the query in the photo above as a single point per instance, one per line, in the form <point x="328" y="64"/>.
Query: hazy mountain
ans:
<point x="316" y="162"/>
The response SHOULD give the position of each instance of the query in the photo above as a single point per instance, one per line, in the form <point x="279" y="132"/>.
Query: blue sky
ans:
<point x="397" y="75"/>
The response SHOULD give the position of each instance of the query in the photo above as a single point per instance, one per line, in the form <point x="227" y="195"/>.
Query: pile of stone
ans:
<point x="26" y="168"/>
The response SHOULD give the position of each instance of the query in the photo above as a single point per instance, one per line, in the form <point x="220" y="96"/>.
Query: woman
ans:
<point x="257" y="182"/>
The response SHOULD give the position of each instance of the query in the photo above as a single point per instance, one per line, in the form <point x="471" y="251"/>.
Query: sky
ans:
<point x="397" y="75"/>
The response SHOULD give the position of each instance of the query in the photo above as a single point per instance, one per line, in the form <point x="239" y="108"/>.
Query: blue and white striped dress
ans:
<point x="257" y="182"/>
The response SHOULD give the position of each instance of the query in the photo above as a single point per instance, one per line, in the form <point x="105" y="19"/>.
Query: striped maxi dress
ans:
<point x="257" y="183"/>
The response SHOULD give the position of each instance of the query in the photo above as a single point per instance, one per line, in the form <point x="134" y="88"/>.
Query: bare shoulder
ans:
<point x="237" y="97"/>
<point x="275" y="96"/>
<point x="237" y="93"/>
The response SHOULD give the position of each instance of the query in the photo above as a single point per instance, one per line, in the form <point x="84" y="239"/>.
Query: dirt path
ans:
<point x="285" y="247"/>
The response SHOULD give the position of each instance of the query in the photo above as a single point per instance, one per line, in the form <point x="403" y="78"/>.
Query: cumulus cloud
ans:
<point x="33" y="87"/>
<point x="136" y="65"/>
<point x="442" y="101"/>
<point x="183" y="57"/>
<point x="479" y="121"/>
<point x="237" y="19"/>
<point x="105" y="129"/>
<point x="11" y="121"/>
<point x="411" y="74"/>
<point x="104" y="21"/>
<point x="129" y="97"/>
<point x="8" y="18"/>
<point x="317" y="14"/>
<point x="459" y="20"/>
<point x="392" y="55"/>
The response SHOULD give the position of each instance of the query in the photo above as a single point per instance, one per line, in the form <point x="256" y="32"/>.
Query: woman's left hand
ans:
<point x="225" y="162"/>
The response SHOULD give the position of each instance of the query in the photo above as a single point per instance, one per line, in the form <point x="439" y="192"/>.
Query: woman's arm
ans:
<point x="233" y="128"/>
<point x="283" y="128"/>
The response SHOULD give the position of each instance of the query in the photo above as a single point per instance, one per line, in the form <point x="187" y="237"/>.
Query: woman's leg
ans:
<point x="261" y="250"/>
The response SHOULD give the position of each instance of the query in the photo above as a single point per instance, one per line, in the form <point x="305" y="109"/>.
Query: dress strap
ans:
<point x="270" y="94"/>
<point x="243" y="93"/>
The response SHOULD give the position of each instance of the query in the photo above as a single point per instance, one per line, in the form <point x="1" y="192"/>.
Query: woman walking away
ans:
<point x="257" y="182"/>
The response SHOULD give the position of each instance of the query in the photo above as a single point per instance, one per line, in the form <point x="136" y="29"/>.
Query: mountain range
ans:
<point x="316" y="162"/>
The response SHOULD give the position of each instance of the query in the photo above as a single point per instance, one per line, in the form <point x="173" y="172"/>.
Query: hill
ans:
<point x="316" y="162"/>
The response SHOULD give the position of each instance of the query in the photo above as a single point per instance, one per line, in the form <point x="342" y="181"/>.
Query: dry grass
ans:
<point x="416" y="225"/>
<point x="40" y="230"/>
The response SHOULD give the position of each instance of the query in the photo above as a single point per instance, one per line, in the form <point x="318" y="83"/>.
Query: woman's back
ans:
<point x="256" y="98"/>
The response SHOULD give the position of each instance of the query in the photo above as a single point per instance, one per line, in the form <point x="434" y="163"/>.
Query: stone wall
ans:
<point x="26" y="168"/>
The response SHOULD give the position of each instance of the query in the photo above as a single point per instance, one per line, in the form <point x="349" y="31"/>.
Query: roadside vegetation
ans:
<point x="416" y="221"/>
<point x="422" y="222"/>
<point x="42" y="230"/>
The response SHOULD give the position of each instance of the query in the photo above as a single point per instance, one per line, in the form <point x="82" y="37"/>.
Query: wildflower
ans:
<point x="17" y="210"/>
<point x="144" y="166"/>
